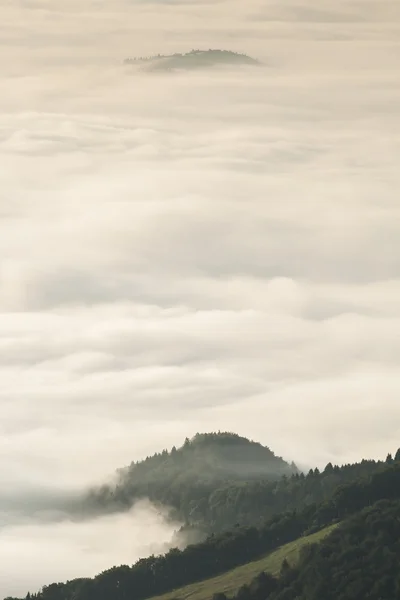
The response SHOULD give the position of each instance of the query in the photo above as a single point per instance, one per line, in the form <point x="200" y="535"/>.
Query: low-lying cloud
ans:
<point x="201" y="251"/>
<point x="47" y="548"/>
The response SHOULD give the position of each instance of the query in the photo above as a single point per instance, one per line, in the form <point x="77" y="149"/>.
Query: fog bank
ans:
<point x="192" y="252"/>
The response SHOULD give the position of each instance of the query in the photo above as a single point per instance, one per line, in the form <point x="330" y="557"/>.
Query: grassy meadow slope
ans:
<point x="231" y="581"/>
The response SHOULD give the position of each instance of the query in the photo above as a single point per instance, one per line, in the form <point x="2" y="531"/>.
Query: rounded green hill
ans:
<point x="195" y="59"/>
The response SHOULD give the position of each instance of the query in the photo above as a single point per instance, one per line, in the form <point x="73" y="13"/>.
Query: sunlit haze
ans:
<point x="189" y="251"/>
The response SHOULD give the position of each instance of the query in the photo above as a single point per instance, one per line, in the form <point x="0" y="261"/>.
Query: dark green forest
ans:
<point x="254" y="502"/>
<point x="360" y="560"/>
<point x="215" y="482"/>
<point x="211" y="482"/>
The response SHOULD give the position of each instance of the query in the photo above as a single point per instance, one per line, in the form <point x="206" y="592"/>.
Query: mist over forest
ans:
<point x="213" y="249"/>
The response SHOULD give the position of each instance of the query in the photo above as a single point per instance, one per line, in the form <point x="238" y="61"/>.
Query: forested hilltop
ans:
<point x="364" y="499"/>
<point x="193" y="60"/>
<point x="216" y="481"/>
<point x="198" y="480"/>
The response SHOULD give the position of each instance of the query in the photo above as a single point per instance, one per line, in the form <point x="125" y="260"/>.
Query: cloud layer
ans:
<point x="193" y="252"/>
<point x="52" y="550"/>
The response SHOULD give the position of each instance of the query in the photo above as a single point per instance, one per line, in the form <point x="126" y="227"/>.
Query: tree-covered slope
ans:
<point x="193" y="60"/>
<point x="360" y="560"/>
<point x="216" y="481"/>
<point x="190" y="479"/>
<point x="157" y="575"/>
<point x="231" y="581"/>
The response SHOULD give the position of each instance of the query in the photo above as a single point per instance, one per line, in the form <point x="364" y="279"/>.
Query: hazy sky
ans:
<point x="190" y="252"/>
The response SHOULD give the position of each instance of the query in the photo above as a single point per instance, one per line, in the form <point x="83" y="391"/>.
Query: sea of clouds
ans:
<point x="189" y="252"/>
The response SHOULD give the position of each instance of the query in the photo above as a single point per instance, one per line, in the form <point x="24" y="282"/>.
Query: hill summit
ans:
<point x="188" y="479"/>
<point x="195" y="59"/>
<point x="210" y="457"/>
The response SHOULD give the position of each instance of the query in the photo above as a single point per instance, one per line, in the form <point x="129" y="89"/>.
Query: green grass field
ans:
<point x="231" y="581"/>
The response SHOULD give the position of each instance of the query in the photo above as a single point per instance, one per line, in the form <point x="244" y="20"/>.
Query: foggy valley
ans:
<point x="189" y="251"/>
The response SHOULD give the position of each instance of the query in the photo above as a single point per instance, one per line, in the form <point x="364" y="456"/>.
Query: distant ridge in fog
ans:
<point x="195" y="59"/>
